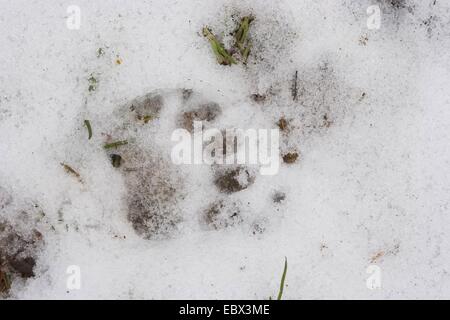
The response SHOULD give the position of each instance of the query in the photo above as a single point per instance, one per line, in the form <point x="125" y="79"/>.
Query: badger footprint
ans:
<point x="154" y="185"/>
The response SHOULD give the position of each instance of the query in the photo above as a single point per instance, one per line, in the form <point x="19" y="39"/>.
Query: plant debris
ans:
<point x="222" y="55"/>
<point x="145" y="118"/>
<point x="92" y="83"/>
<point x="71" y="171"/>
<point x="87" y="123"/>
<point x="241" y="36"/>
<point x="282" y="124"/>
<point x="100" y="52"/>
<point x="115" y="144"/>
<point x="147" y="108"/>
<point x="294" y="89"/>
<point x="5" y="282"/>
<point x="290" y="157"/>
<point x="241" y="44"/>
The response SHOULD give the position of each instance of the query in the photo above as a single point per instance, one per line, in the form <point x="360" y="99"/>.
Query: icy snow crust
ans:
<point x="370" y="125"/>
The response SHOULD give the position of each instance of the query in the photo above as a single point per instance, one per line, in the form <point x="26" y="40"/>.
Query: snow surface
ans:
<point x="370" y="188"/>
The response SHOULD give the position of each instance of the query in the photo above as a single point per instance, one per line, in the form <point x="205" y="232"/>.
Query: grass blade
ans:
<point x="242" y="32"/>
<point x="115" y="144"/>
<point x="222" y="55"/>
<point x="283" y="278"/>
<point x="240" y="35"/>
<point x="87" y="123"/>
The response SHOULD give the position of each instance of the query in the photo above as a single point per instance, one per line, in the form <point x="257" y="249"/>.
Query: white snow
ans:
<point x="370" y="188"/>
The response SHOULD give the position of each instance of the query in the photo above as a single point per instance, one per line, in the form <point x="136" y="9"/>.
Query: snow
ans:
<point x="370" y="186"/>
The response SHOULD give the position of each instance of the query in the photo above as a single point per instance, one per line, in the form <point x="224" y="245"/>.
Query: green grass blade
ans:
<point x="246" y="53"/>
<point x="283" y="278"/>
<point x="222" y="55"/>
<point x="87" y="123"/>
<point x="242" y="31"/>
<point x="115" y="144"/>
<point x="241" y="34"/>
